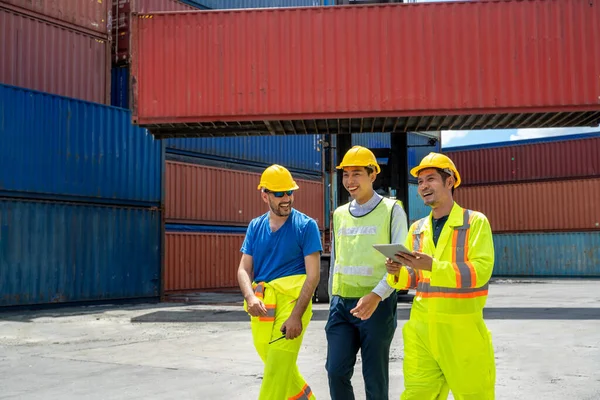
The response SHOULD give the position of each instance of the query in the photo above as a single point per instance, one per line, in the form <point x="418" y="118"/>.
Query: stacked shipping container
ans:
<point x="58" y="47"/>
<point x="124" y="9"/>
<point x="80" y="201"/>
<point x="539" y="196"/>
<point x="81" y="188"/>
<point x="216" y="196"/>
<point x="211" y="183"/>
<point x="208" y="208"/>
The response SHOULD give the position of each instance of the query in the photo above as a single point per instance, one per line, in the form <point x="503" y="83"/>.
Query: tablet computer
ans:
<point x="390" y="250"/>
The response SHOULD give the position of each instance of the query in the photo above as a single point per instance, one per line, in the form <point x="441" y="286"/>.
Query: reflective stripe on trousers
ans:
<point x="304" y="394"/>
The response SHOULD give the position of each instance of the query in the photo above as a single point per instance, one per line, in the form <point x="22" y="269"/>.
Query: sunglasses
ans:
<point x="280" y="194"/>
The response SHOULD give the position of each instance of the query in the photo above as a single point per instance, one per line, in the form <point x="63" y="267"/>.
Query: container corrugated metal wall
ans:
<point x="122" y="10"/>
<point x="233" y="4"/>
<point x="93" y="15"/>
<point x="573" y="254"/>
<point x="569" y="205"/>
<point x="61" y="148"/>
<point x="197" y="261"/>
<point x="295" y="152"/>
<point x="43" y="56"/>
<point x="420" y="146"/>
<point x="504" y="73"/>
<point x="200" y="194"/>
<point x="119" y="93"/>
<point x="59" y="252"/>
<point x="376" y="140"/>
<point x="514" y="162"/>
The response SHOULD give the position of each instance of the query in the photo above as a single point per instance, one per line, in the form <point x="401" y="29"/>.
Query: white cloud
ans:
<point x="448" y="136"/>
<point x="547" y="132"/>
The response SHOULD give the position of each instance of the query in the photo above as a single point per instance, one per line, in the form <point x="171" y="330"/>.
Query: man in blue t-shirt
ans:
<point x="282" y="251"/>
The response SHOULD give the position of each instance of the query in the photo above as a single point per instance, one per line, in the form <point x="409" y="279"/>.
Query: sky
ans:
<point x="465" y="138"/>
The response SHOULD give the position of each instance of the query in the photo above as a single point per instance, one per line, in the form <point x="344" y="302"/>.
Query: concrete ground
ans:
<point x="546" y="336"/>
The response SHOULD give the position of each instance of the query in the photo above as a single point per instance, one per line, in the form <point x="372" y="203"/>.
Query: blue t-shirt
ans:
<point x="279" y="254"/>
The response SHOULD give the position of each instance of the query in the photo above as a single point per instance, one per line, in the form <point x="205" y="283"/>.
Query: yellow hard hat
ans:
<point x="437" y="160"/>
<point x="359" y="156"/>
<point x="277" y="179"/>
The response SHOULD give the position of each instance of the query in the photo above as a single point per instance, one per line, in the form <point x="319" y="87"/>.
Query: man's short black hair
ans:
<point x="445" y="176"/>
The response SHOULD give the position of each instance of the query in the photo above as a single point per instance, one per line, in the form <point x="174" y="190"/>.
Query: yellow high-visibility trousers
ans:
<point x="281" y="378"/>
<point x="448" y="353"/>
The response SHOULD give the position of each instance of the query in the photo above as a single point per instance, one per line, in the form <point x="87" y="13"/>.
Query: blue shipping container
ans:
<point x="232" y="4"/>
<point x="119" y="91"/>
<point x="572" y="254"/>
<point x="383" y="141"/>
<point x="299" y="153"/>
<point x="56" y="147"/>
<point x="60" y="252"/>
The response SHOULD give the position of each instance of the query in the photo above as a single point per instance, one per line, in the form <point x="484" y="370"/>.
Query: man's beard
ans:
<point x="278" y="211"/>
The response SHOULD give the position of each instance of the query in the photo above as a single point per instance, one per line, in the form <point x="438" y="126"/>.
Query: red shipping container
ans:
<point x="91" y="16"/>
<point x="206" y="195"/>
<point x="541" y="206"/>
<point x="43" y="56"/>
<point x="198" y="261"/>
<point x="122" y="12"/>
<point x="579" y="158"/>
<point x="473" y="65"/>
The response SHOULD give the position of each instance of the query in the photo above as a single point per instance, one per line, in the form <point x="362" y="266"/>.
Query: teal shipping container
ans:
<point x="54" y="252"/>
<point x="570" y="254"/>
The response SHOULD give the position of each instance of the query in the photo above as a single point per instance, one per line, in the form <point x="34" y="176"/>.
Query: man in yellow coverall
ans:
<point x="281" y="251"/>
<point x="447" y="346"/>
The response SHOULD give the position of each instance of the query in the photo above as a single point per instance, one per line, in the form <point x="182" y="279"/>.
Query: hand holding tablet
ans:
<point x="390" y="250"/>
<point x="412" y="259"/>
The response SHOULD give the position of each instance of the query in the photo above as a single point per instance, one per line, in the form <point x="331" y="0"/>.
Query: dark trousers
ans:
<point x="346" y="334"/>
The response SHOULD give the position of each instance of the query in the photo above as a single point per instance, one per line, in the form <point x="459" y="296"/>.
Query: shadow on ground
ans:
<point x="500" y="313"/>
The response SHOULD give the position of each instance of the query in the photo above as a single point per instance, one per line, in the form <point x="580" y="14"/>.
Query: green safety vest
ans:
<point x="358" y="267"/>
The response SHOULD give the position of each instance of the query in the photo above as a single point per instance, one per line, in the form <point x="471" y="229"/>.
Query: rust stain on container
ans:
<point x="196" y="261"/>
<point x="201" y="194"/>
<point x="122" y="13"/>
<point x="505" y="64"/>
<point x="43" y="56"/>
<point x="529" y="162"/>
<point x="569" y="205"/>
<point x="89" y="15"/>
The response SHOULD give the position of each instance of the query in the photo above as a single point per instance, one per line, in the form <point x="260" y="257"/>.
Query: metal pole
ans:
<point x="398" y="164"/>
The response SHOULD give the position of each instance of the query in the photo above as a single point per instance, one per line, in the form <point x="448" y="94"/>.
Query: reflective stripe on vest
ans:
<point x="465" y="272"/>
<point x="304" y="394"/>
<point x="259" y="292"/>
<point x="358" y="267"/>
<point x="426" y="290"/>
<point x="353" y="270"/>
<point x="270" y="317"/>
<point x="418" y="240"/>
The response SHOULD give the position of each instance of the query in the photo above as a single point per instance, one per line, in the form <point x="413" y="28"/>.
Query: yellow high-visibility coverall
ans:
<point x="447" y="345"/>
<point x="281" y="379"/>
